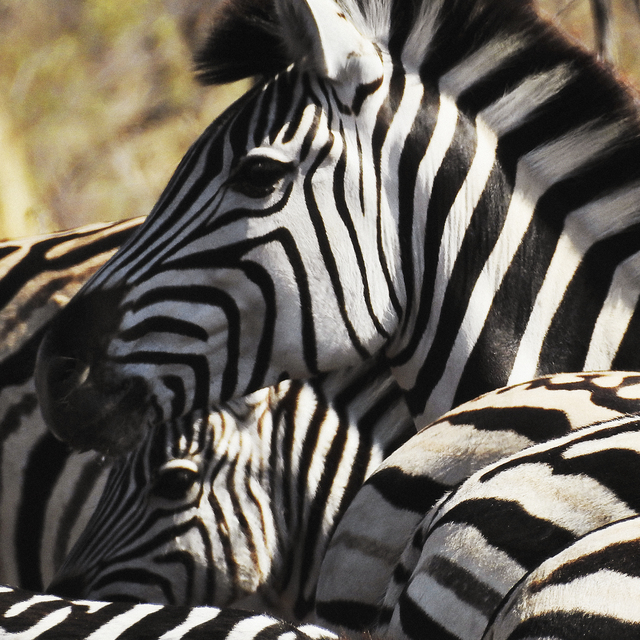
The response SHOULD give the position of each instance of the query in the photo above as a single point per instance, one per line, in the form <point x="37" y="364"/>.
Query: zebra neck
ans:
<point x="523" y="180"/>
<point x="331" y="435"/>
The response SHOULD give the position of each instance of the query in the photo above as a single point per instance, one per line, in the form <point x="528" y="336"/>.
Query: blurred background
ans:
<point x="98" y="103"/>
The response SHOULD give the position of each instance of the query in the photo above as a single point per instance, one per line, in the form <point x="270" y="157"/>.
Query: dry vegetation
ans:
<point x="97" y="102"/>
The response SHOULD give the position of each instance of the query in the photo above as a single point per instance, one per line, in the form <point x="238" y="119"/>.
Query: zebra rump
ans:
<point x="467" y="553"/>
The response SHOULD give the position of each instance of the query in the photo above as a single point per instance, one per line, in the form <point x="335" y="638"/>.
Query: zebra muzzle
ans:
<point x="83" y="401"/>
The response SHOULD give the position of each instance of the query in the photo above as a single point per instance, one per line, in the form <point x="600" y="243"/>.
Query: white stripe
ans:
<point x="197" y="616"/>
<point x="124" y="621"/>
<point x="250" y="627"/>
<point x="429" y="166"/>
<point x="456" y="225"/>
<point x="629" y="440"/>
<point x="48" y="622"/>
<point x="316" y="632"/>
<point x="615" y="315"/>
<point x="441" y="605"/>
<point x="479" y="64"/>
<point x="603" y="593"/>
<point x="21" y="607"/>
<point x="585" y="226"/>
<point x="577" y="503"/>
<point x="515" y="107"/>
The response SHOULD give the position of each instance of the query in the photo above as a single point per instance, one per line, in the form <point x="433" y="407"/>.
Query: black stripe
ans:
<point x="582" y="302"/>
<point x="464" y="584"/>
<point x="538" y="424"/>
<point x="446" y="185"/>
<point x="345" y="214"/>
<point x="416" y="624"/>
<point x="498" y="520"/>
<point x="621" y="557"/>
<point x="46" y="462"/>
<point x="576" y="625"/>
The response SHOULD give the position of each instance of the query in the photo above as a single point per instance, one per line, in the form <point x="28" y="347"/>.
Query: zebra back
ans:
<point x="46" y="494"/>
<point x="375" y="554"/>
<point x="27" y="615"/>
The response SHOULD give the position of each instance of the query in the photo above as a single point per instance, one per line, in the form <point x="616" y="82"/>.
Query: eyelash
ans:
<point x="258" y="176"/>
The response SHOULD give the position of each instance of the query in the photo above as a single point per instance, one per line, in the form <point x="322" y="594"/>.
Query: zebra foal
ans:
<point x="213" y="508"/>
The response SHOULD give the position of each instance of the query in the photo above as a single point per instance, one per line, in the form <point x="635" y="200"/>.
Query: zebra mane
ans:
<point x="245" y="41"/>
<point x="431" y="36"/>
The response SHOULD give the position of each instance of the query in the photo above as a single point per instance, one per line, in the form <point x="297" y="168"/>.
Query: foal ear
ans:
<point x="320" y="35"/>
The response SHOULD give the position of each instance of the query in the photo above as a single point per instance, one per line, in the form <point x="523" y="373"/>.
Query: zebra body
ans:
<point x="373" y="533"/>
<point x="29" y="616"/>
<point x="46" y="494"/>
<point x="446" y="182"/>
<point x="464" y="555"/>
<point x="590" y="589"/>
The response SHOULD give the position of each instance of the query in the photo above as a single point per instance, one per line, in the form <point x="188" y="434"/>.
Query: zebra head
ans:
<point x="247" y="271"/>
<point x="167" y="529"/>
<point x="448" y="183"/>
<point x="240" y="501"/>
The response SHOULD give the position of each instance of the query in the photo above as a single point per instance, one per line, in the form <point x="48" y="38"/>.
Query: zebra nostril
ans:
<point x="66" y="374"/>
<point x="68" y="587"/>
<point x="87" y="406"/>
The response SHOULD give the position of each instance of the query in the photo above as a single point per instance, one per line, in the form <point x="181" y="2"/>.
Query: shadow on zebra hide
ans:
<point x="46" y="494"/>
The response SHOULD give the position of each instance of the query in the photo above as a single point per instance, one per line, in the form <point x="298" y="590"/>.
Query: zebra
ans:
<point x="183" y="504"/>
<point x="40" y="615"/>
<point x="41" y="268"/>
<point x="488" y="554"/>
<point x="238" y="503"/>
<point x="29" y="616"/>
<point x="46" y="493"/>
<point x="589" y="589"/>
<point x="345" y="424"/>
<point x="447" y="184"/>
<point x="596" y="395"/>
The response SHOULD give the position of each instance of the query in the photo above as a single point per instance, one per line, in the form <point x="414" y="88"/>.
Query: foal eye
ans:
<point x="174" y="483"/>
<point x="258" y="176"/>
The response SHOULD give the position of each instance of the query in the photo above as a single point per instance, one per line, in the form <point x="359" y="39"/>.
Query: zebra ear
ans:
<point x="320" y="35"/>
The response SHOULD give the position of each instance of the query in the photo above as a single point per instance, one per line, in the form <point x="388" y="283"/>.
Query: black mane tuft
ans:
<point x="245" y="41"/>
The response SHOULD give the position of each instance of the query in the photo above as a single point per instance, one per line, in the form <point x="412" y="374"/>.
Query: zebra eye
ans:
<point x="258" y="176"/>
<point x="174" y="482"/>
